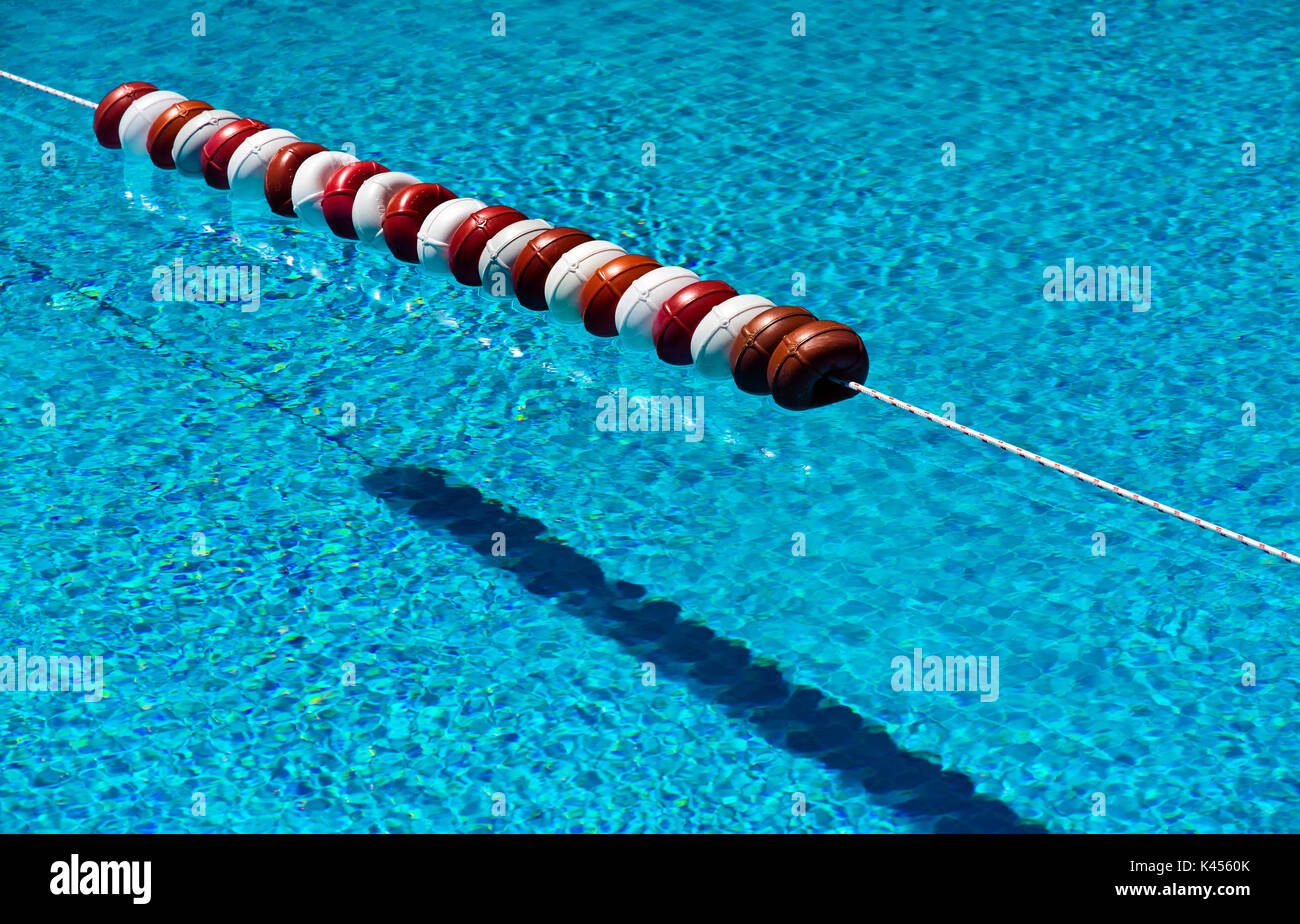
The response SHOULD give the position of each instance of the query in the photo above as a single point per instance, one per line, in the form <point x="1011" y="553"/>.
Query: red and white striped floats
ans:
<point x="766" y="348"/>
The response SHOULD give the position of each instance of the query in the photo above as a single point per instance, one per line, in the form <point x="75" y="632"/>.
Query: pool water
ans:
<point x="648" y="654"/>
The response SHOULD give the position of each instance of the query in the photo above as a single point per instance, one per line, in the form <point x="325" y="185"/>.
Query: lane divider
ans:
<point x="683" y="318"/>
<point x="782" y="350"/>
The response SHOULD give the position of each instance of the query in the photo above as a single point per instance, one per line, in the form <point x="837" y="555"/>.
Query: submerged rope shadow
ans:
<point x="801" y="719"/>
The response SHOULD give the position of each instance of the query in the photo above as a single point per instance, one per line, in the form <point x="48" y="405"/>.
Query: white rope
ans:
<point x="1073" y="472"/>
<point x="41" y="86"/>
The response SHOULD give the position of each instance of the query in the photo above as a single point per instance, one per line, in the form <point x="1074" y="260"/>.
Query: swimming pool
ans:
<point x="521" y="680"/>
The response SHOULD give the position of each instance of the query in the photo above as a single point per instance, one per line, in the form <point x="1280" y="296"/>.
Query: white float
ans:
<point x="133" y="130"/>
<point x="497" y="262"/>
<point x="570" y="273"/>
<point x="436" y="231"/>
<point x="634" y="315"/>
<point x="711" y="342"/>
<point x="247" y="167"/>
<point x="309" y="185"/>
<point x="193" y="135"/>
<point x="370" y="203"/>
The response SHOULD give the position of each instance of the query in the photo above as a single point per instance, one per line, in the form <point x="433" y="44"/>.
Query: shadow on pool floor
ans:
<point x="800" y="719"/>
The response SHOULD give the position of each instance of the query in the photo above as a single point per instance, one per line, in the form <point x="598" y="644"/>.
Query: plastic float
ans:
<point x="496" y="263"/>
<point x="782" y="350"/>
<point x="534" y="263"/>
<point x="277" y="177"/>
<point x="570" y="274"/>
<point x="675" y="322"/>
<point x="163" y="132"/>
<point x="193" y="134"/>
<point x="720" y="328"/>
<point x="246" y="171"/>
<point x="419" y="223"/>
<point x="340" y="195"/>
<point x="751" y="352"/>
<point x="471" y="238"/>
<point x="635" y="313"/>
<point x="307" y="191"/>
<point x="139" y="117"/>
<point x="599" y="297"/>
<point x="371" y="202"/>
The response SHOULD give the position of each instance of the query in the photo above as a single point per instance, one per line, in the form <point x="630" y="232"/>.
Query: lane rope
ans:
<point x="40" y="86"/>
<point x="1072" y="472"/>
<point x="942" y="421"/>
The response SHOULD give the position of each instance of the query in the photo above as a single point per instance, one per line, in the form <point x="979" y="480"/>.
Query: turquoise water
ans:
<point x="522" y="675"/>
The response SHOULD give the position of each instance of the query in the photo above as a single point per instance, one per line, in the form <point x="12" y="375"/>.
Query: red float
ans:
<point x="109" y="112"/>
<point x="676" y="321"/>
<point x="471" y="236"/>
<point x="165" y="128"/>
<point x="277" y="185"/>
<point x="539" y="256"/>
<point x="406" y="212"/>
<point x="758" y="339"/>
<point x="808" y="360"/>
<point x="341" y="191"/>
<point x="221" y="147"/>
<point x="600" y="294"/>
